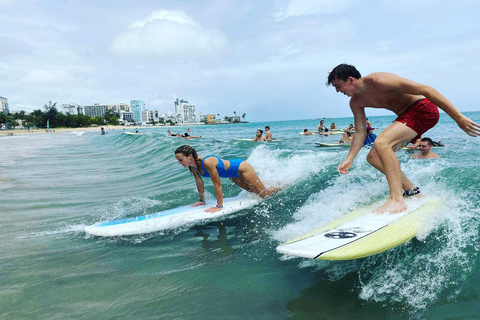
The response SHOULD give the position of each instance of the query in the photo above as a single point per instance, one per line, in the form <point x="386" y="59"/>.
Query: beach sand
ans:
<point x="4" y="133"/>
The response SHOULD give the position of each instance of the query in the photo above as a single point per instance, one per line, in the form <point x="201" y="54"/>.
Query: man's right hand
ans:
<point x="344" y="166"/>
<point x="470" y="127"/>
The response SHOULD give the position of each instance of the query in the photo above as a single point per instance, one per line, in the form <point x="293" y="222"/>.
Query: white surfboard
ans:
<point x="341" y="145"/>
<point x="132" y="133"/>
<point x="361" y="233"/>
<point x="170" y="219"/>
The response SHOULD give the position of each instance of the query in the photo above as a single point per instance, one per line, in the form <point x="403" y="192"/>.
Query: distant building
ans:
<point x="72" y="108"/>
<point x="185" y="111"/>
<point x="126" y="116"/>
<point x="208" y="118"/>
<point x="137" y="106"/>
<point x="4" y="105"/>
<point x="150" y="115"/>
<point x="97" y="110"/>
<point x="120" y="107"/>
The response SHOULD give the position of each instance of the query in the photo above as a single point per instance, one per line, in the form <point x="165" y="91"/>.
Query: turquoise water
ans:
<point x="53" y="185"/>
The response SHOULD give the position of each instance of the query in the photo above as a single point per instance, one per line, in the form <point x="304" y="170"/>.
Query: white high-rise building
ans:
<point x="185" y="111"/>
<point x="72" y="108"/>
<point x="4" y="105"/>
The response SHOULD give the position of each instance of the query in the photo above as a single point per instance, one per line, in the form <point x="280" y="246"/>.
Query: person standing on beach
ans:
<point x="415" y="105"/>
<point x="425" y="145"/>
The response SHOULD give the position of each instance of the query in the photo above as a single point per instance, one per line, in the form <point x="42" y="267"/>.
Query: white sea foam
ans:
<point x="412" y="275"/>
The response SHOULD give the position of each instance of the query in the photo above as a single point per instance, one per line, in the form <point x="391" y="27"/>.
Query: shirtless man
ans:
<point x="259" y="136"/>
<point x="416" y="107"/>
<point x="322" y="127"/>
<point x="268" y="134"/>
<point x="425" y="147"/>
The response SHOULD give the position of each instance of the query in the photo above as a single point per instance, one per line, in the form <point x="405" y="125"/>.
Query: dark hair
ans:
<point x="430" y="142"/>
<point x="342" y="72"/>
<point x="261" y="131"/>
<point x="267" y="127"/>
<point x="348" y="133"/>
<point x="187" y="150"/>
<point x="305" y="130"/>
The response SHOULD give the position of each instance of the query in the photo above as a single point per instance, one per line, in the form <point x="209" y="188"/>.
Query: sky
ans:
<point x="267" y="59"/>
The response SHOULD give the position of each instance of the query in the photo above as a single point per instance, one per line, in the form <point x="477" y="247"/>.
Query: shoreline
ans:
<point x="6" y="133"/>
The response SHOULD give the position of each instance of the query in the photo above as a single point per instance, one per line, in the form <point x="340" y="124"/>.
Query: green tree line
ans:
<point x="39" y="118"/>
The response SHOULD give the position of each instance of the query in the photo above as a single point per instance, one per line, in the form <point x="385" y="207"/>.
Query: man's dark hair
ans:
<point x="267" y="127"/>
<point x="430" y="142"/>
<point x="342" y="72"/>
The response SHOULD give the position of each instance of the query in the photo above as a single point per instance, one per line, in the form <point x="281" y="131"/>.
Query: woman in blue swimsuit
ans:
<point x="239" y="171"/>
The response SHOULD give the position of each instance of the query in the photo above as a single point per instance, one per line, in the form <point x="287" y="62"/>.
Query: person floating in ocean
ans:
<point x="351" y="128"/>
<point x="425" y="145"/>
<point x="416" y="107"/>
<point x="416" y="144"/>
<point x="306" y="132"/>
<point x="103" y="130"/>
<point x="333" y="126"/>
<point x="322" y="127"/>
<point x="370" y="138"/>
<point x="259" y="136"/>
<point x="268" y="134"/>
<point x="346" y="138"/>
<point x="238" y="170"/>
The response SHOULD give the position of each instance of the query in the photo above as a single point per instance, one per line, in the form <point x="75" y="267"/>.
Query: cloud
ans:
<point x="11" y="47"/>
<point x="298" y="8"/>
<point x="169" y="34"/>
<point x="38" y="76"/>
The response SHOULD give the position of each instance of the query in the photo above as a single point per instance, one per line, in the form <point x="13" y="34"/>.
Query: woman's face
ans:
<point x="185" y="161"/>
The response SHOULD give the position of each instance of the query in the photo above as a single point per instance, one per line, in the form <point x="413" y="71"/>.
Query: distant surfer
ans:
<point x="259" y="136"/>
<point x="425" y="145"/>
<point x="322" y="127"/>
<point x="306" y="132"/>
<point x="268" y="134"/>
<point x="238" y="170"/>
<point x="346" y="138"/>
<point x="416" y="107"/>
<point x="370" y="138"/>
<point x="103" y="130"/>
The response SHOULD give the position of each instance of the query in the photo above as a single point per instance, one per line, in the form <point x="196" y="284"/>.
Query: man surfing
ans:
<point x="415" y="105"/>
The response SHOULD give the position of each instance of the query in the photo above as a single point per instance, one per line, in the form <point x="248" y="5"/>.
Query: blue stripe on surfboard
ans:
<point x="169" y="212"/>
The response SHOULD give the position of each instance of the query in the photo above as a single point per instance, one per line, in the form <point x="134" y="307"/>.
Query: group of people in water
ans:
<point x="186" y="135"/>
<point x="416" y="106"/>
<point x="260" y="137"/>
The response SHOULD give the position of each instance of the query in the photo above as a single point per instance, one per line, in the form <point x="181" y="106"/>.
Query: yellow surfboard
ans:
<point x="361" y="233"/>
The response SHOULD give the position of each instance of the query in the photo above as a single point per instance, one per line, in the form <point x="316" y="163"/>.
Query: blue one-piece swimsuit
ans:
<point x="232" y="172"/>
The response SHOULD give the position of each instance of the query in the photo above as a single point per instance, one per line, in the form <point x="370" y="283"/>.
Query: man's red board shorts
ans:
<point x="421" y="117"/>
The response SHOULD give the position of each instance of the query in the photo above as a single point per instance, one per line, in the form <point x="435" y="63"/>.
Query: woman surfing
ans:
<point x="238" y="170"/>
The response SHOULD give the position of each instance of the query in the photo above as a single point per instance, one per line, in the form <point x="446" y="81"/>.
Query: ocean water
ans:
<point x="53" y="185"/>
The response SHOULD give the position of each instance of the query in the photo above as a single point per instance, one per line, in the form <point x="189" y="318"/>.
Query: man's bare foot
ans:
<point x="391" y="206"/>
